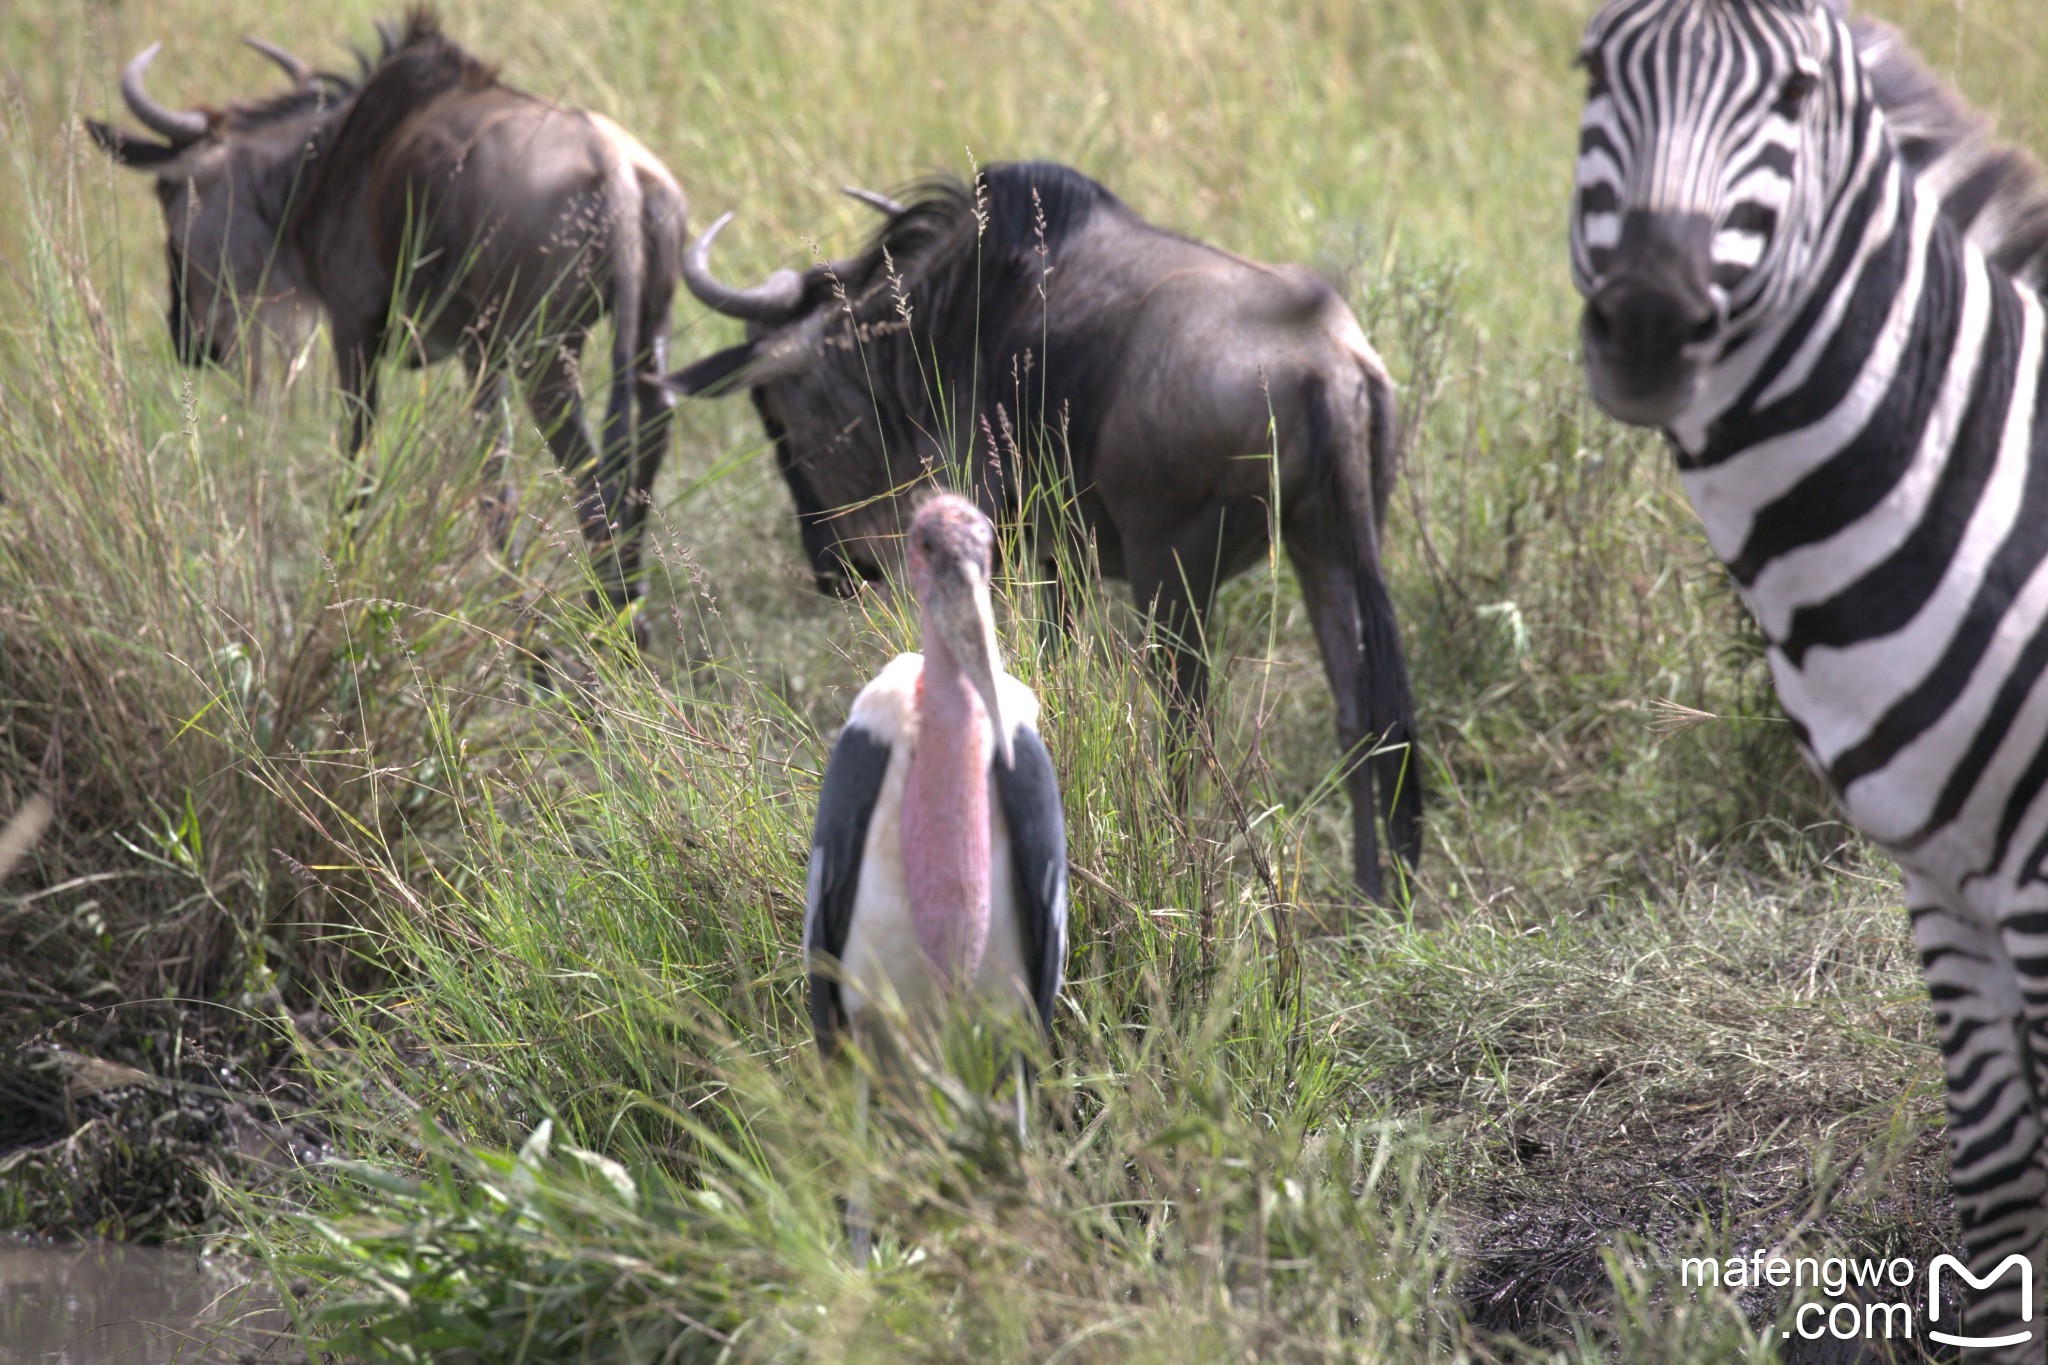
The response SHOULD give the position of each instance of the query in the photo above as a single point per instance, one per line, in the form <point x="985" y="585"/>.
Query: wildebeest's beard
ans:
<point x="836" y="569"/>
<point x="191" y="349"/>
<point x="850" y="435"/>
<point x="219" y="316"/>
<point x="235" y="284"/>
<point x="237" y="290"/>
<point x="929" y="357"/>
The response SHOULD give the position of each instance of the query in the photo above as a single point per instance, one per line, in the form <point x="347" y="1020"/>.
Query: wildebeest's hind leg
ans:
<point x="499" y="497"/>
<point x="657" y="409"/>
<point x="557" y="405"/>
<point x="1179" y="607"/>
<point x="500" y="500"/>
<point x="1056" y="593"/>
<point x="1174" y="582"/>
<point x="642" y="292"/>
<point x="655" y="405"/>
<point x="617" y="461"/>
<point x="356" y="354"/>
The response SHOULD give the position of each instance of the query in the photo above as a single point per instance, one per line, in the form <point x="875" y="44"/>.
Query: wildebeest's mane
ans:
<point x="418" y="65"/>
<point x="253" y="116"/>
<point x="967" y="261"/>
<point x="422" y="26"/>
<point x="1016" y="206"/>
<point x="330" y="89"/>
<point x="1994" y="192"/>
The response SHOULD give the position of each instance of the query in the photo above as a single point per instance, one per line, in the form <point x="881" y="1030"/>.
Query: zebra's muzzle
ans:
<point x="1649" y="330"/>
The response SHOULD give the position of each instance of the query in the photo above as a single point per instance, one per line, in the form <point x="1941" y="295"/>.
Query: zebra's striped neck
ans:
<point x="1864" y="480"/>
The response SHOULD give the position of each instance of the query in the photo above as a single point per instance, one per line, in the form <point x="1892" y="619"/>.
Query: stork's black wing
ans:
<point x="853" y="780"/>
<point x="1030" y="795"/>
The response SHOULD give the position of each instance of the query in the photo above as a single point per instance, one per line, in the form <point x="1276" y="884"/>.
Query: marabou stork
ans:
<point x="938" y="863"/>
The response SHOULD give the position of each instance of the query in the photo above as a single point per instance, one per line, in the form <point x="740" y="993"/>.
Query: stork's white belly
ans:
<point x="883" y="956"/>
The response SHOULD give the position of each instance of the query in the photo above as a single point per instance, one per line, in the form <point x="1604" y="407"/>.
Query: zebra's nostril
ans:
<point x="1599" y="326"/>
<point x="1649" y="317"/>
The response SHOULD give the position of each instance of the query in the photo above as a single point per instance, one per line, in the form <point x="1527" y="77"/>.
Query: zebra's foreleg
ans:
<point x="1994" y="1119"/>
<point x="2025" y="935"/>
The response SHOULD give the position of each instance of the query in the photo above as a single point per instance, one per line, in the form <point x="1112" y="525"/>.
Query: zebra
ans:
<point x="1807" y="261"/>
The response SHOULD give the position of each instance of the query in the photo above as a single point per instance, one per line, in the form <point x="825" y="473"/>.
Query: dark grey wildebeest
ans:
<point x="430" y="210"/>
<point x="1157" y="374"/>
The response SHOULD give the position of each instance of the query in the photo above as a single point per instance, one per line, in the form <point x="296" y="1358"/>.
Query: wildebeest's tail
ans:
<point x="662" y="230"/>
<point x="625" y="244"/>
<point x="1386" y="702"/>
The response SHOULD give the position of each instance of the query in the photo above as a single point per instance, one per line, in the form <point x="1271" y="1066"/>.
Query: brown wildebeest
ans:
<point x="430" y="210"/>
<point x="1156" y="373"/>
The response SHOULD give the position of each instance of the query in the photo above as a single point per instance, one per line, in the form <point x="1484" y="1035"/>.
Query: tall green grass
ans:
<point x="517" y="964"/>
<point x="606" y="953"/>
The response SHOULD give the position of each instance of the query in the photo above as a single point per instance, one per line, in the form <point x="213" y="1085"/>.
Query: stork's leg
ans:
<point x="859" y="1235"/>
<point x="1023" y="1098"/>
<point x="1994" y="1110"/>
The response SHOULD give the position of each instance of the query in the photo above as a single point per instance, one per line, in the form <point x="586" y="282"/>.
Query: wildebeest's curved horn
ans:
<point x="181" y="126"/>
<point x="775" y="299"/>
<point x="880" y="203"/>
<point x="294" y="66"/>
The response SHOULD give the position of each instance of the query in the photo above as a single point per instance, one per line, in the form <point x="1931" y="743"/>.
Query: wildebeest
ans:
<point x="1156" y="373"/>
<point x="429" y="209"/>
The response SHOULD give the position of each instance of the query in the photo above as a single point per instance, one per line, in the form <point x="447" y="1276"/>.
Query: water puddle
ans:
<point x="133" y="1305"/>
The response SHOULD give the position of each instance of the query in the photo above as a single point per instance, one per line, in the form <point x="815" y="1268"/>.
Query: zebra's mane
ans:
<point x="1994" y="192"/>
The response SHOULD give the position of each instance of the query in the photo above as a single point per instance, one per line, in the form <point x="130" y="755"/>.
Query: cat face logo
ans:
<point x="2017" y="1261"/>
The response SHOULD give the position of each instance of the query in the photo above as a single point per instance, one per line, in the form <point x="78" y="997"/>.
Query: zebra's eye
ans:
<point x="1595" y="67"/>
<point x="1792" y="95"/>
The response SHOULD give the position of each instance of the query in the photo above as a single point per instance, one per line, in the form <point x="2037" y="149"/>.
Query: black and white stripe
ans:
<point x="1713" y="66"/>
<point x="1858" y="423"/>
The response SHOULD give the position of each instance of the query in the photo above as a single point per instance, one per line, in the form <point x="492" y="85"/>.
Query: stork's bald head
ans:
<point x="949" y="537"/>
<point x="951" y="548"/>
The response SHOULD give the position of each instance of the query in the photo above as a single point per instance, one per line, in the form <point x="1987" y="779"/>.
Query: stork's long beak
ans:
<point x="966" y="622"/>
